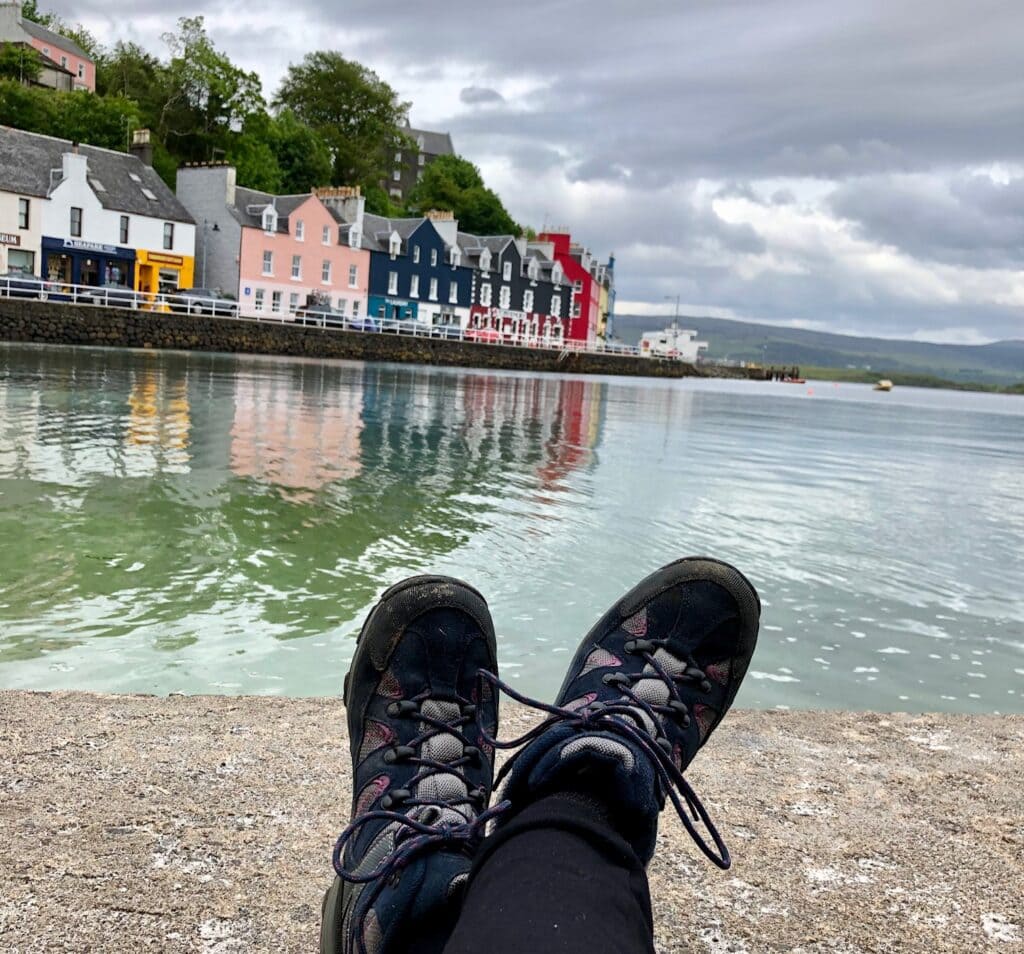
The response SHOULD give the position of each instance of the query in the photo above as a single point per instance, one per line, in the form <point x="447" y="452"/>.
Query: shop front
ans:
<point x="74" y="262"/>
<point x="14" y="258"/>
<point x="163" y="273"/>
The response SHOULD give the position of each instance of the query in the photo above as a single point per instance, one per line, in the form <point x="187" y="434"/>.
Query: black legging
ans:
<point x="556" y="879"/>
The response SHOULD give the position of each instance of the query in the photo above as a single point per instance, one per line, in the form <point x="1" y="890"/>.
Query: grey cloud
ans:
<point x="480" y="95"/>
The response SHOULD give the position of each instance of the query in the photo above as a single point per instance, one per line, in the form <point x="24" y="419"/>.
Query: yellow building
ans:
<point x="163" y="272"/>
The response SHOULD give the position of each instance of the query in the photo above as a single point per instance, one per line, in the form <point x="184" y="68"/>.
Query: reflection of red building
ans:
<point x="575" y="431"/>
<point x="291" y="438"/>
<point x="579" y="266"/>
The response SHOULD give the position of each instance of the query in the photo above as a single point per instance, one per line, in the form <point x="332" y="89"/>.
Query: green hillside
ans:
<point x="999" y="363"/>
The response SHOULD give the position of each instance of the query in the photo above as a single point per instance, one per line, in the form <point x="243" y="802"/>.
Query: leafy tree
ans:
<point x="129" y="70"/>
<point x="378" y="202"/>
<point x="354" y="111"/>
<point x="455" y="184"/>
<point x="21" y="62"/>
<point x="25" y="107"/>
<point x="30" y="11"/>
<point x="301" y="153"/>
<point x="97" y="120"/>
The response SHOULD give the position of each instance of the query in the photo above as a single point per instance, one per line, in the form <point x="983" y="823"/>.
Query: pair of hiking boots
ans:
<point x="646" y="688"/>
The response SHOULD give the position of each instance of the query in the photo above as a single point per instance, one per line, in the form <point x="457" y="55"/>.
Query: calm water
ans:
<point x="221" y="524"/>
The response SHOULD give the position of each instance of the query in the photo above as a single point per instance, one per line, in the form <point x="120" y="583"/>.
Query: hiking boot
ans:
<point x="421" y="773"/>
<point x="647" y="687"/>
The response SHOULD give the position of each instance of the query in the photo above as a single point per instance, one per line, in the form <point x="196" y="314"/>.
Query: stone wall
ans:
<point x="49" y="323"/>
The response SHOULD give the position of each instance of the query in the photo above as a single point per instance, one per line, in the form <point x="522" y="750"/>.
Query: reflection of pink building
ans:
<point x="275" y="253"/>
<point x="287" y="436"/>
<point x="73" y="62"/>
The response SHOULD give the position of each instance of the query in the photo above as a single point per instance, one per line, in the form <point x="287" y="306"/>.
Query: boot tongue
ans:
<point x="444" y="747"/>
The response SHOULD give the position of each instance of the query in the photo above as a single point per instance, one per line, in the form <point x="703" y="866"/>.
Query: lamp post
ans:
<point x="207" y="227"/>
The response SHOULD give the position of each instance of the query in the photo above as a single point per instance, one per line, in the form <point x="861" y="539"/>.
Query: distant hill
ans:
<point x="1001" y="362"/>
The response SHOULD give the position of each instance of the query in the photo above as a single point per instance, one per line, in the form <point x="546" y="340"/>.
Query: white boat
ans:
<point x="676" y="344"/>
<point x="884" y="385"/>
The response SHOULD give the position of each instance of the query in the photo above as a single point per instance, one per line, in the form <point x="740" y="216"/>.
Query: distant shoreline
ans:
<point x="905" y="379"/>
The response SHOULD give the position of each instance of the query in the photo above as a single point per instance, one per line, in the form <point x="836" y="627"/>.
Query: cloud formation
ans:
<point x="852" y="166"/>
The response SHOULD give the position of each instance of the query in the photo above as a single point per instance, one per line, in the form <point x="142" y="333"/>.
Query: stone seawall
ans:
<point x="46" y="323"/>
<point x="205" y="824"/>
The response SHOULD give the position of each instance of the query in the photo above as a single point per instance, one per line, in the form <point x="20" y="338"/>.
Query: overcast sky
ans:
<point x="847" y="165"/>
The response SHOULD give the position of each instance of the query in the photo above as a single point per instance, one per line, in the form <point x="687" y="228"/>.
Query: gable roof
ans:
<point x="48" y="36"/>
<point x="377" y="230"/>
<point x="434" y="143"/>
<point x="26" y="160"/>
<point x="247" y="201"/>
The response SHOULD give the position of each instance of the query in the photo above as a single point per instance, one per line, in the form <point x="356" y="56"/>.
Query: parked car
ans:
<point x="446" y="331"/>
<point x="324" y="316"/>
<point x="485" y="335"/>
<point x="201" y="301"/>
<point x="109" y="296"/>
<point x="23" y="285"/>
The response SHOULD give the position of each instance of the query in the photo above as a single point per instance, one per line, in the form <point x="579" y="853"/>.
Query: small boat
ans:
<point x="794" y="380"/>
<point x="884" y="385"/>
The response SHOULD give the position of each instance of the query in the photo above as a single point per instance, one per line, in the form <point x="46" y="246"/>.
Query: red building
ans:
<point x="580" y="270"/>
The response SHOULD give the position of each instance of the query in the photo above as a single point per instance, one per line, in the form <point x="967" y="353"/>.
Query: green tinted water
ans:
<point x="222" y="524"/>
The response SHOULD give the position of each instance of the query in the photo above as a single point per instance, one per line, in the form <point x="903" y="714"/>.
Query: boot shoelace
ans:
<point x="415" y="835"/>
<point x="621" y="718"/>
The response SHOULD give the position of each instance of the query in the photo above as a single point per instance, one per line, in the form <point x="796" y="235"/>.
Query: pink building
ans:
<point x="66" y="56"/>
<point x="276" y="254"/>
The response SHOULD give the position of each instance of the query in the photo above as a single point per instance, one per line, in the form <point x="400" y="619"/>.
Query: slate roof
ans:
<point x="48" y="36"/>
<point x="377" y="230"/>
<point x="26" y="160"/>
<point x="434" y="143"/>
<point x="246" y="199"/>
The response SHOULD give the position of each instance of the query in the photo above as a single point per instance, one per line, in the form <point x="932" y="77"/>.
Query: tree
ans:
<point x="301" y="153"/>
<point x="25" y="107"/>
<point x="354" y="111"/>
<point x="30" y="11"/>
<point x="19" y="61"/>
<point x="455" y="184"/>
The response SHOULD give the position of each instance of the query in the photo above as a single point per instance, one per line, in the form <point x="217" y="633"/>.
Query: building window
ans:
<point x="76" y="222"/>
<point x="505" y="297"/>
<point x="506" y="271"/>
<point x="397" y="175"/>
<point x="275" y="302"/>
<point x="355" y="308"/>
<point x="46" y="51"/>
<point x="419" y="175"/>
<point x="433" y="289"/>
<point x="293" y="303"/>
<point x="64" y="62"/>
<point x="577" y="286"/>
<point x="433" y="257"/>
<point x="20" y="261"/>
<point x="453" y="292"/>
<point x="395" y="246"/>
<point x="416" y="254"/>
<point x="23" y="207"/>
<point x="485" y="295"/>
<point x="81" y="71"/>
<point x="259" y="299"/>
<point x="556" y="306"/>
<point x="421" y="159"/>
<point x="354" y="239"/>
<point x="396" y="193"/>
<point x="327" y="235"/>
<point x="297" y="267"/>
<point x="124" y="229"/>
<point x="398" y="157"/>
<point x="414" y="286"/>
<point x="268" y="263"/>
<point x="300" y="231"/>
<point x="325" y="272"/>
<point x="168" y="235"/>
<point x="392" y="283"/>
<point x="577" y="309"/>
<point x="270" y="220"/>
<point x="342" y="305"/>
<point x="353" y="276"/>
<point x="527" y="301"/>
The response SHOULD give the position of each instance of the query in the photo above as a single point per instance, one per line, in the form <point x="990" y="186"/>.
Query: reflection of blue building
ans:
<point x="416" y="270"/>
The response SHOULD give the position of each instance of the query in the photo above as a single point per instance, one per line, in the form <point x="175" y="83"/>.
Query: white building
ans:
<point x="95" y="216"/>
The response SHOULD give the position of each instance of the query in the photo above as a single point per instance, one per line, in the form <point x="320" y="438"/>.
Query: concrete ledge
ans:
<point x="205" y="824"/>
<point x="48" y="323"/>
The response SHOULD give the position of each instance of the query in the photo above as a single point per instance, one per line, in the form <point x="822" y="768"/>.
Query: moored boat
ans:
<point x="884" y="385"/>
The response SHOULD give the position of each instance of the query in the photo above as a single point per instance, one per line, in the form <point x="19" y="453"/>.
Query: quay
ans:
<point x="200" y="823"/>
<point x="79" y="324"/>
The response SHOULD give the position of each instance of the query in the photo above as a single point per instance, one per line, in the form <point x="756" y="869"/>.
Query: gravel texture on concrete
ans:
<point x="205" y="824"/>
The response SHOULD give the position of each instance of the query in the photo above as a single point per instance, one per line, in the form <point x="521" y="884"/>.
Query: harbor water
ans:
<point x="222" y="524"/>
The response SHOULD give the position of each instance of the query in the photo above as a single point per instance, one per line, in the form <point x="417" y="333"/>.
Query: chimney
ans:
<point x="10" y="23"/>
<point x="347" y="202"/>
<point x="141" y="146"/>
<point x="444" y="222"/>
<point x="74" y="166"/>
<point x="214" y="181"/>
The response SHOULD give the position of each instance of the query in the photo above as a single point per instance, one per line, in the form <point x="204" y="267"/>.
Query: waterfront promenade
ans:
<point x="205" y="823"/>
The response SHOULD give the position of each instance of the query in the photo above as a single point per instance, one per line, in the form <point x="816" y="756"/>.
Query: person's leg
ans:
<point x="565" y="870"/>
<point x="421" y="775"/>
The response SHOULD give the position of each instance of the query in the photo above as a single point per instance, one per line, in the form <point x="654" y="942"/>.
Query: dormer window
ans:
<point x="556" y="274"/>
<point x="395" y="246"/>
<point x="485" y="260"/>
<point x="456" y="257"/>
<point x="300" y="231"/>
<point x="355" y="239"/>
<point x="270" y="219"/>
<point x="506" y="271"/>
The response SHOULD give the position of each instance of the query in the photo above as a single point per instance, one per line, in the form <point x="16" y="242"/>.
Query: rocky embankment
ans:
<point x="59" y="323"/>
<point x="205" y="824"/>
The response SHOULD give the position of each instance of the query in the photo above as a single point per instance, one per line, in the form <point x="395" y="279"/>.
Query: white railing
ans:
<point x="34" y="287"/>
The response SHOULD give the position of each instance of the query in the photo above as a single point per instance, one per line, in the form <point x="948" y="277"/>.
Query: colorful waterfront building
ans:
<point x="578" y="265"/>
<point x="64" y="64"/>
<point x="517" y="290"/>
<point x="82" y="215"/>
<point x="275" y="253"/>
